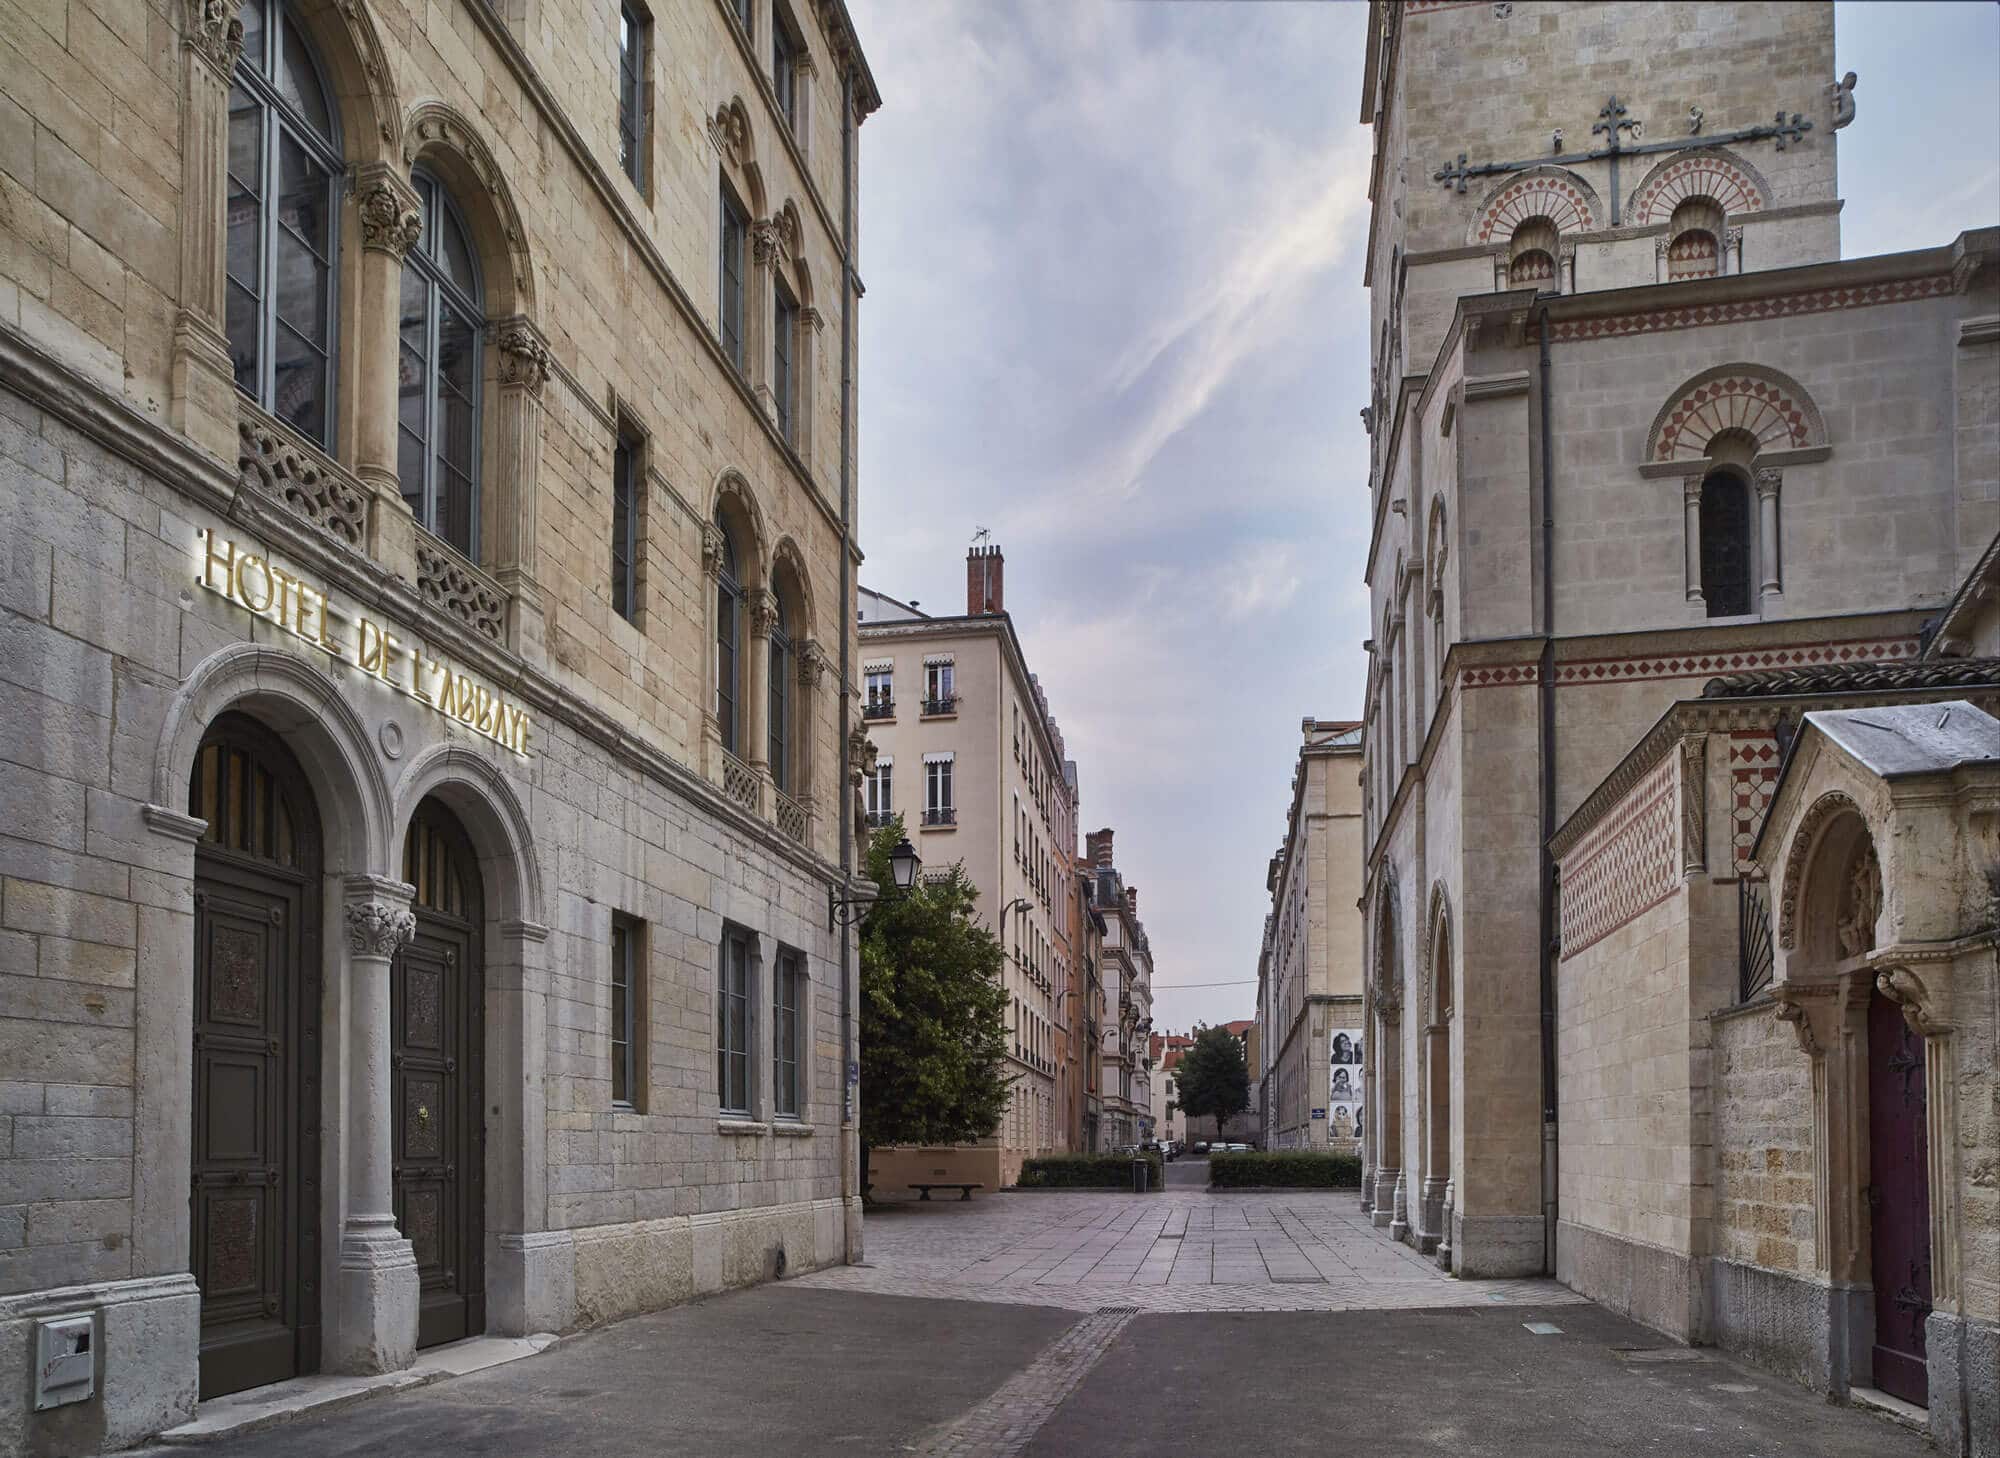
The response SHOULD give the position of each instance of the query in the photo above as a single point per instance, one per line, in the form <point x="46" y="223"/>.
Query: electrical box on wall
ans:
<point x="65" y="1365"/>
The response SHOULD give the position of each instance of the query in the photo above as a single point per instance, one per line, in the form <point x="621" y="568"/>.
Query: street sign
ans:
<point x="1319" y="1113"/>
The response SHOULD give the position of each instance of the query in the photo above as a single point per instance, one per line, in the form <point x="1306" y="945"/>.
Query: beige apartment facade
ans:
<point x="1126" y="966"/>
<point x="428" y="492"/>
<point x="1311" y="1037"/>
<point x="970" y="758"/>
<point x="1635" y="424"/>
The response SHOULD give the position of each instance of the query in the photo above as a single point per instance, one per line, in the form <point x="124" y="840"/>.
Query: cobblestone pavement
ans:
<point x="1178" y="1250"/>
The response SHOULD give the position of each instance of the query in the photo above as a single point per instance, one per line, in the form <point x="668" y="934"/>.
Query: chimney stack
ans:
<point x="1132" y="901"/>
<point x="985" y="580"/>
<point x="1097" y="844"/>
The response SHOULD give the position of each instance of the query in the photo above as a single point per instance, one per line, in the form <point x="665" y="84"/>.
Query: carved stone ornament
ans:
<point x="763" y="611"/>
<point x="215" y="32"/>
<point x="1694" y="807"/>
<point x="446" y="584"/>
<point x="1792" y="1006"/>
<point x="1860" y="904"/>
<point x="711" y="548"/>
<point x="730" y="129"/>
<point x="1769" y="480"/>
<point x="812" y="665"/>
<point x="1803" y="840"/>
<point x="268" y="461"/>
<point x="1908" y="991"/>
<point x="375" y="929"/>
<point x="524" y="358"/>
<point x="860" y="754"/>
<point x="391" y="218"/>
<point x="1842" y="92"/>
<point x="767" y="241"/>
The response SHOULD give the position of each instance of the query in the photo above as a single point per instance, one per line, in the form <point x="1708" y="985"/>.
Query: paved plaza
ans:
<point x="1041" y="1325"/>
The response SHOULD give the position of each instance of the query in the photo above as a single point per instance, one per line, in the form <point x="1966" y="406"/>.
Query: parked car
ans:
<point x="1201" y="1146"/>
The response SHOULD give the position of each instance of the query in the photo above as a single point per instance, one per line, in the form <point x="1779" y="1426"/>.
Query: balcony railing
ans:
<point x="739" y="781"/>
<point x="792" y="817"/>
<point x="941" y="815"/>
<point x="876" y="819"/>
<point x="879" y="709"/>
<point x="948" y="704"/>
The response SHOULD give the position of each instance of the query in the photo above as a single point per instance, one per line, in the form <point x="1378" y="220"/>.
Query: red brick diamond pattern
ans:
<point x="1626" y="866"/>
<point x="1753" y="775"/>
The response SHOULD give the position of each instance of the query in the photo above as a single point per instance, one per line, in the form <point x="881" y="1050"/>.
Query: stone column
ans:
<point x="391" y="222"/>
<point x="1769" y="479"/>
<point x="374" y="1308"/>
<point x="1437" y="1133"/>
<point x="1444" y="1227"/>
<point x="512" y="479"/>
<point x="1691" y="508"/>
<point x="757" y="305"/>
<point x="711" y="579"/>
<point x="1388" y="1111"/>
<point x="755" y="711"/>
<point x="203" y="382"/>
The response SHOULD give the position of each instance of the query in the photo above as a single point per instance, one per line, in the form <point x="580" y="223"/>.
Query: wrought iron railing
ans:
<point x="941" y="815"/>
<point x="1754" y="959"/>
<point x="739" y="781"/>
<point x="876" y="819"/>
<point x="879" y="709"/>
<point x="945" y="705"/>
<point x="792" y="817"/>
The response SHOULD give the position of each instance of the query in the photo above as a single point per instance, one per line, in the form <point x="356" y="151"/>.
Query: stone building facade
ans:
<point x="968" y="754"/>
<point x="1310" y="1034"/>
<point x="1634" y="424"/>
<point x="1125" y="970"/>
<point x="425" y="608"/>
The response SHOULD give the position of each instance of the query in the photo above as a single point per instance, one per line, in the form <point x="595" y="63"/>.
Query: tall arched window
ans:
<point x="437" y="435"/>
<point x="728" y="639"/>
<point x="285" y="167"/>
<point x="1694" y="247"/>
<point x="784" y="666"/>
<point x="1725" y="544"/>
<point x="1531" y="256"/>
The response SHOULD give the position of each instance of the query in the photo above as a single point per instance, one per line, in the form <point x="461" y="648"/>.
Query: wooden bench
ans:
<point x="964" y="1191"/>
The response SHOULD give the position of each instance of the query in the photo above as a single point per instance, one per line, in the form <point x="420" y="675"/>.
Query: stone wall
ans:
<point x="1763" y="1143"/>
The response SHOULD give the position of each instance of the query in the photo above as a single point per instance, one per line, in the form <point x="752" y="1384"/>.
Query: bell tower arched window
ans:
<point x="729" y="600"/>
<point x="285" y="167"/>
<point x="1531" y="256"/>
<point x="441" y="323"/>
<point x="1725" y="544"/>
<point x="1694" y="247"/>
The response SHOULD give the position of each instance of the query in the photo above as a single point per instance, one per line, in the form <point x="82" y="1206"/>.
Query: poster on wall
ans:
<point x="1344" y="1085"/>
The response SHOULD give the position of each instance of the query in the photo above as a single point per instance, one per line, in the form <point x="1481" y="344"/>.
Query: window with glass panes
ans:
<point x="626" y="941"/>
<point x="735" y="235"/>
<point x="441" y="324"/>
<point x="785" y="51"/>
<point x="783" y="666"/>
<point x="625" y="499"/>
<point x="285" y="171"/>
<point x="937" y="786"/>
<point x="634" y="34"/>
<point x="728" y="638"/>
<point x="879" y="688"/>
<point x="937" y="684"/>
<point x="784" y="343"/>
<point x="788" y="995"/>
<point x="732" y="1019"/>
<point x="743" y="15"/>
<point x="881" y="798"/>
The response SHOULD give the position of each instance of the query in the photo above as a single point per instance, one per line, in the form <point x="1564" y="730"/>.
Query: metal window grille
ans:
<point x="1754" y="956"/>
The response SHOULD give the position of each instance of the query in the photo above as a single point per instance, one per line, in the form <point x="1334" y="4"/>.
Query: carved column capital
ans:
<point x="392" y="217"/>
<point x="214" y="33"/>
<point x="1769" y="479"/>
<point x="377" y="917"/>
<point x="766" y="240"/>
<point x="1810" y="1008"/>
<point x="763" y="605"/>
<point x="1694" y="803"/>
<point x="524" y="354"/>
<point x="1691" y="489"/>
<point x="812" y="664"/>
<point x="712" y="549"/>
<point x="1922" y="1008"/>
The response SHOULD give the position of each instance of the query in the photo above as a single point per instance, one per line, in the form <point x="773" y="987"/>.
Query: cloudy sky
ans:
<point x="1115" y="316"/>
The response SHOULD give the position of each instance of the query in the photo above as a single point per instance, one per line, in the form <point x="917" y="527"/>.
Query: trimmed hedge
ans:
<point x="1088" y="1172"/>
<point x="1297" y="1169"/>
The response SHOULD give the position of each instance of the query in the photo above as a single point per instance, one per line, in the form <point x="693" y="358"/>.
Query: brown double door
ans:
<point x="1899" y="1201"/>
<point x="255" y="1130"/>
<point x="437" y="1042"/>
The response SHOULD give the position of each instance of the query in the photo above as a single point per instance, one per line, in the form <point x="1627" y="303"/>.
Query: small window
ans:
<point x="626" y="496"/>
<point x="1725" y="545"/>
<point x="440" y="325"/>
<point x="938" y="808"/>
<point x="786" y="53"/>
<point x="635" y="34"/>
<point x="788" y="999"/>
<point x="1532" y="253"/>
<point x="878" y="694"/>
<point x="1695" y="234"/>
<point x="627" y="960"/>
<point x="881" y="801"/>
<point x="732" y="1022"/>
<point x="735" y="235"/>
<point x="939" y="695"/>
<point x="784" y="349"/>
<point x="729" y="601"/>
<point x="783" y="665"/>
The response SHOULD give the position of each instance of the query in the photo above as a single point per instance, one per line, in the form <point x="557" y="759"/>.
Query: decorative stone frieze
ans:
<point x="270" y="461"/>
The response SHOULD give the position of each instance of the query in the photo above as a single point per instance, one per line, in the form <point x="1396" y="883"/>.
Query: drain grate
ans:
<point x="1298" y="1280"/>
<point x="1659" y="1354"/>
<point x="1117" y="1311"/>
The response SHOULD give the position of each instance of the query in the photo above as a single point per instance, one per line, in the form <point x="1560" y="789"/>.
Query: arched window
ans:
<point x="784" y="666"/>
<point x="728" y="638"/>
<point x="1694" y="247"/>
<point x="1531" y="256"/>
<point x="437" y="435"/>
<point x="285" y="167"/>
<point x="1725" y="544"/>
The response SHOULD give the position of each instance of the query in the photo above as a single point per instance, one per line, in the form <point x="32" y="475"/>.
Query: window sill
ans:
<point x="742" y="1127"/>
<point x="938" y="827"/>
<point x="792" y="1129"/>
<point x="928" y="717"/>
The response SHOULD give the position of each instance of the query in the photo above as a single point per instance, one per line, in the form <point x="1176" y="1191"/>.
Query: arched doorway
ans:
<point x="437" y="1043"/>
<point x="255" y="1126"/>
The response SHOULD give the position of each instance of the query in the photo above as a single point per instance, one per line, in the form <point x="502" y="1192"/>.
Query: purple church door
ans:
<point x="1899" y="1200"/>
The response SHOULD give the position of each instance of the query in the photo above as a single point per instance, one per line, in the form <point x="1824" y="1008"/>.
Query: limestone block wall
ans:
<point x="1763" y="1143"/>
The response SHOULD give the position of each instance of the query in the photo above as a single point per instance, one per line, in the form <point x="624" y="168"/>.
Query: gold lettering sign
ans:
<point x="260" y="586"/>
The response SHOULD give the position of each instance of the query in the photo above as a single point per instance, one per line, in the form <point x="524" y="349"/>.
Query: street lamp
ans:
<point x="904" y="864"/>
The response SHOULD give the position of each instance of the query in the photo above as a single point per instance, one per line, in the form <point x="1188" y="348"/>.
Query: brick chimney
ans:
<point x="1097" y="845"/>
<point x="985" y="579"/>
<point x="1132" y="901"/>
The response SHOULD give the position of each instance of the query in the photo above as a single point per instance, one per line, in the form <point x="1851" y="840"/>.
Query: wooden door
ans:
<point x="438" y="1037"/>
<point x="1899" y="1201"/>
<point x="254" y="1188"/>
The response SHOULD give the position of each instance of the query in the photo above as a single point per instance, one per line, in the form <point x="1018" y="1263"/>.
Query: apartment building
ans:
<point x="428" y="491"/>
<point x="1309" y="978"/>
<point x="969" y="755"/>
<point x="1127" y="971"/>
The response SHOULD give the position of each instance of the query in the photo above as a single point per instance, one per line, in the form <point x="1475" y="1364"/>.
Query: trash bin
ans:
<point x="1140" y="1170"/>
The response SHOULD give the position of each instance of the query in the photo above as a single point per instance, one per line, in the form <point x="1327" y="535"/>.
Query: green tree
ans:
<point x="1212" y="1079"/>
<point x="933" y="1012"/>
